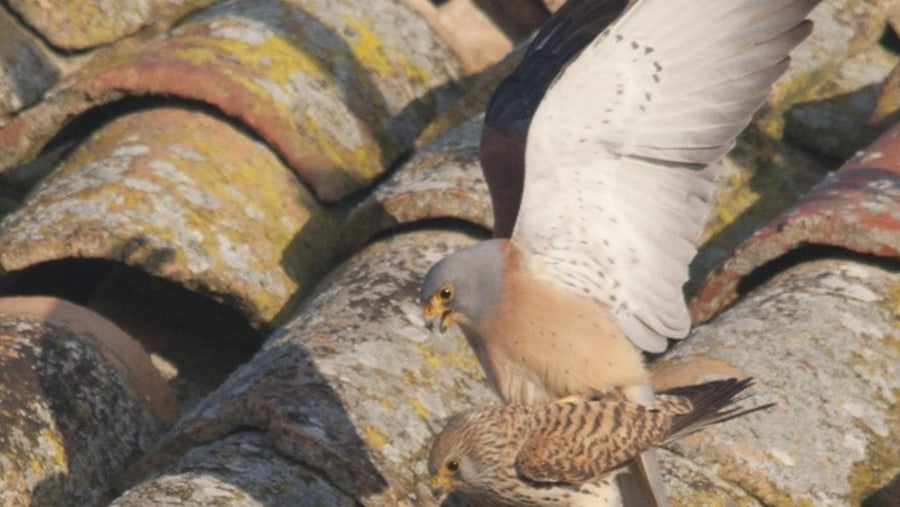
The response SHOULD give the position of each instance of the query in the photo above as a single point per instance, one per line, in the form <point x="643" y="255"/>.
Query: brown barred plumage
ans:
<point x="555" y="453"/>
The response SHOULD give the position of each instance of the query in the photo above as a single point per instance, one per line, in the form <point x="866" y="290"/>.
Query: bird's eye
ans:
<point x="446" y="293"/>
<point x="453" y="465"/>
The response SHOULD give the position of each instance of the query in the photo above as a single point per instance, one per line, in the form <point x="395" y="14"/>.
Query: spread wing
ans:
<point x="622" y="153"/>
<point x="580" y="442"/>
<point x="515" y="100"/>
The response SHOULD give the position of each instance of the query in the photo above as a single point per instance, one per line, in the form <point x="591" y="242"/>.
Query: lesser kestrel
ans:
<point x="567" y="453"/>
<point x="618" y="174"/>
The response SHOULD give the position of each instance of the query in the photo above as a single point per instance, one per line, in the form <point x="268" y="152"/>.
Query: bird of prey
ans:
<point x="567" y="452"/>
<point x="602" y="172"/>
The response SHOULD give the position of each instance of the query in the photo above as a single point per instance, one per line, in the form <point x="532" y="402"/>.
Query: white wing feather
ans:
<point x="622" y="153"/>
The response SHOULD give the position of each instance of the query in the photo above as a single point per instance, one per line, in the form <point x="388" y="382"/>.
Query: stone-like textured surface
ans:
<point x="485" y="31"/>
<point x="843" y="30"/>
<point x="856" y="208"/>
<point x="691" y="485"/>
<point x="27" y="70"/>
<point x="823" y="342"/>
<point x="78" y="400"/>
<point x="475" y="101"/>
<point x="84" y="24"/>
<point x="204" y="205"/>
<point x="354" y="386"/>
<point x="841" y="121"/>
<point x="442" y="180"/>
<point x="765" y="174"/>
<point x="241" y="470"/>
<point x="338" y="89"/>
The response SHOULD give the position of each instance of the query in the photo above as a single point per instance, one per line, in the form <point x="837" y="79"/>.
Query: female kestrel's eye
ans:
<point x="453" y="465"/>
<point x="446" y="293"/>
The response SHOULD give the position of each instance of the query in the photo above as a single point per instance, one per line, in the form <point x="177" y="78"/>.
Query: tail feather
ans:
<point x="711" y="403"/>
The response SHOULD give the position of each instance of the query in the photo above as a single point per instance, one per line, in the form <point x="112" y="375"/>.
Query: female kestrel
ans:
<point x="567" y="453"/>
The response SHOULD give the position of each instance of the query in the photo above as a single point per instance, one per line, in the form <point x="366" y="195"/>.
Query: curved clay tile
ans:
<point x="240" y="470"/>
<point x="338" y="89"/>
<point x="353" y="388"/>
<point x="27" y="69"/>
<point x="75" y="26"/>
<point x="349" y="394"/>
<point x="856" y="208"/>
<point x="184" y="196"/>
<point x="446" y="177"/>
<point x="443" y="180"/>
<point x="79" y="399"/>
<point x="821" y="341"/>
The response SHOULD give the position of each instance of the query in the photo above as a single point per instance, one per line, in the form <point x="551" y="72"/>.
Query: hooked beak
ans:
<point x="436" y="312"/>
<point x="440" y="487"/>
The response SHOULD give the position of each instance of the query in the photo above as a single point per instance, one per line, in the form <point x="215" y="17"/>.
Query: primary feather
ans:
<point x="621" y="157"/>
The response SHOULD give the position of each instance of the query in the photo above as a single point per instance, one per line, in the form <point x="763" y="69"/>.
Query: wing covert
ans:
<point x="581" y="442"/>
<point x="515" y="100"/>
<point x="622" y="153"/>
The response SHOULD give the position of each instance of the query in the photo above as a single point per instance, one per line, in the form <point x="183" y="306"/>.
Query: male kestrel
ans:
<point x="620" y="160"/>
<point x="568" y="452"/>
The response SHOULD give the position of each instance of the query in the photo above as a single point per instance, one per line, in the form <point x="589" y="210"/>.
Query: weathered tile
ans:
<point x="338" y="89"/>
<point x="27" y="69"/>
<point x="353" y="386"/>
<point x="856" y="208"/>
<point x="79" y="399"/>
<point x="185" y="196"/>
<point x="74" y="26"/>
<point x="821" y="340"/>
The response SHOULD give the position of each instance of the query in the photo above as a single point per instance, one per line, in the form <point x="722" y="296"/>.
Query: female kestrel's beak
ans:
<point x="440" y="486"/>
<point x="434" y="311"/>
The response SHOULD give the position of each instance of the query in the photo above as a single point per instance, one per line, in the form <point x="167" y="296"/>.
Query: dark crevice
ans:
<point x="20" y="179"/>
<point x="435" y="224"/>
<point x="197" y="341"/>
<point x="806" y="253"/>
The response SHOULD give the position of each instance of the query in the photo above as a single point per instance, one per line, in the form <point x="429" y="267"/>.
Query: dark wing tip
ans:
<point x="516" y="99"/>
<point x="559" y="40"/>
<point x="712" y="403"/>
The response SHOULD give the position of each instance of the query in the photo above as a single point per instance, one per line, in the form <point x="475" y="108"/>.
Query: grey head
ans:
<point x="464" y="285"/>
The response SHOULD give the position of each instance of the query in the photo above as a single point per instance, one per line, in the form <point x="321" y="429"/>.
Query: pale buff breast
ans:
<point x="548" y="344"/>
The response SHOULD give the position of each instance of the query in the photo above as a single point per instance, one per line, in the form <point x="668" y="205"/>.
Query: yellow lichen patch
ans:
<point x="710" y="498"/>
<point x="60" y="458"/>
<point x="773" y="496"/>
<point x="464" y="359"/>
<point x="363" y="158"/>
<point x="367" y="47"/>
<point x="431" y="359"/>
<point x="211" y="209"/>
<point x="37" y="468"/>
<point x="374" y="438"/>
<point x="763" y="179"/>
<point x="735" y="197"/>
<point x="419" y="407"/>
<point x="274" y="59"/>
<point x="415" y="73"/>
<point x="882" y="461"/>
<point x="891" y="303"/>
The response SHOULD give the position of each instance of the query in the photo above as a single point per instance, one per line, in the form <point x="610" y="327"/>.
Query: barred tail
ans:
<point x="711" y="403"/>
